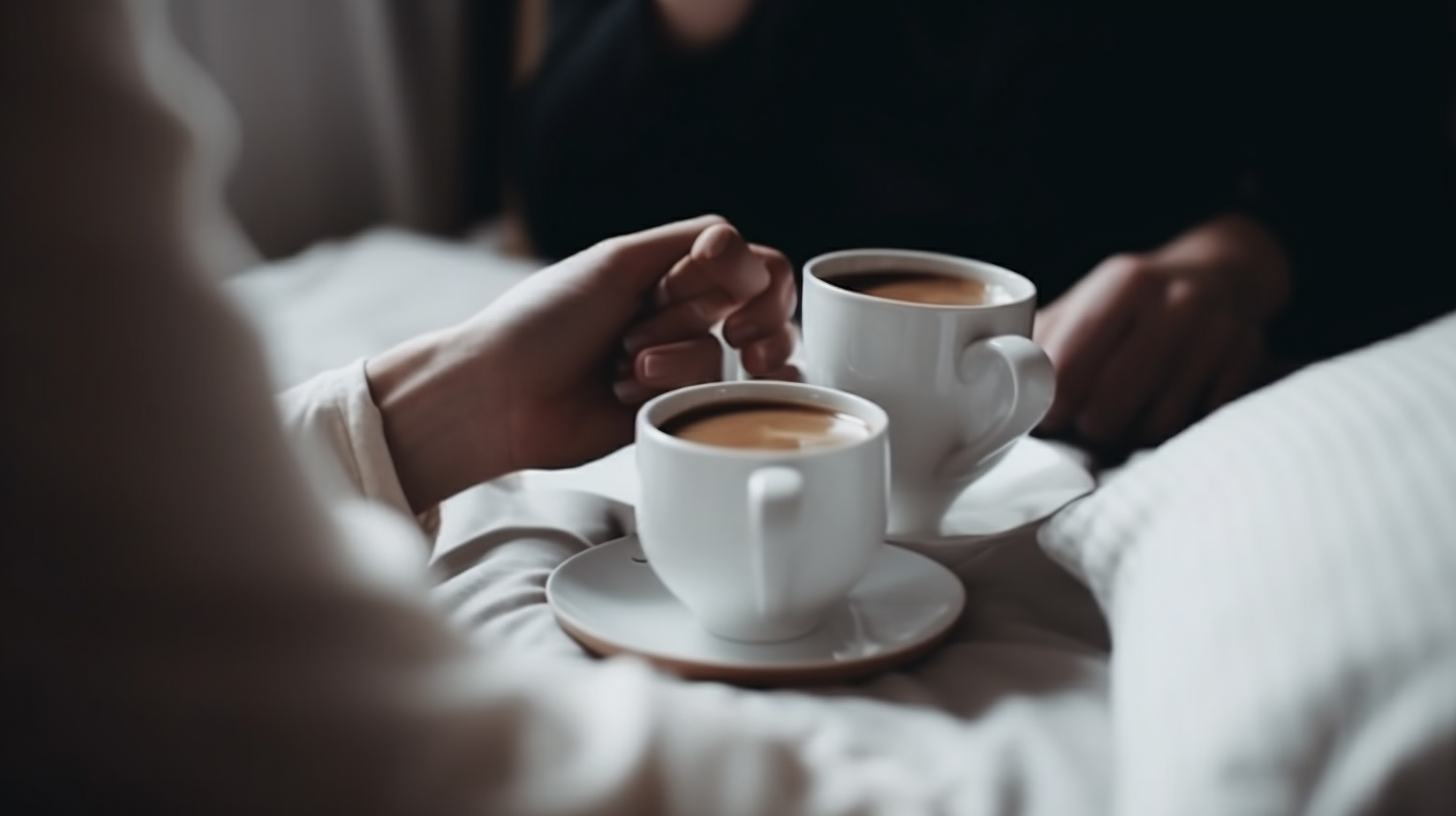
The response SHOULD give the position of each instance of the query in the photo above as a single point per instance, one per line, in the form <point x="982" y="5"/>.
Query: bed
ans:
<point x="1280" y="582"/>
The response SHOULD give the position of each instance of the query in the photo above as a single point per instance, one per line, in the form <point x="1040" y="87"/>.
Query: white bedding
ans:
<point x="1281" y="584"/>
<point x="1008" y="717"/>
<point x="1281" y="580"/>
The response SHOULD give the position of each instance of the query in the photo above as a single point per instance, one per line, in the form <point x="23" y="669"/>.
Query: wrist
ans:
<point x="435" y="418"/>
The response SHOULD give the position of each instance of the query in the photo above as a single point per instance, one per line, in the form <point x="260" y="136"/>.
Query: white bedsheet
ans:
<point x="1010" y="716"/>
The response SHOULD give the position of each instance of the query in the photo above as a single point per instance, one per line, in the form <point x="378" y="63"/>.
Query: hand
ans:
<point x="696" y="25"/>
<point x="543" y="376"/>
<point x="1147" y="343"/>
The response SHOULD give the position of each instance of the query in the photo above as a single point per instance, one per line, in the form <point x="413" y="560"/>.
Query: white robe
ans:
<point x="189" y="624"/>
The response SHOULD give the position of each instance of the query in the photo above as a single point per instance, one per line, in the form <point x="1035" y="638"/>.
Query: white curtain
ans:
<point x="350" y="112"/>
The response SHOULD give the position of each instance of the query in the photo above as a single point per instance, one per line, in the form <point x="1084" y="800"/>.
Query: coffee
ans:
<point x="922" y="287"/>
<point x="767" y="425"/>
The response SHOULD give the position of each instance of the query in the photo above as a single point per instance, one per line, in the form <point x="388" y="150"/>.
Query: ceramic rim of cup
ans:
<point x="650" y="416"/>
<point x="866" y="261"/>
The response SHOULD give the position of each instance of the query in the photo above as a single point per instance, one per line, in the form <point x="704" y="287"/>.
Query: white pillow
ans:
<point x="1280" y="582"/>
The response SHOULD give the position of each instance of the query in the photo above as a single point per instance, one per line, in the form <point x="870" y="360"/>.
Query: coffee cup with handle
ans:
<point x="762" y="503"/>
<point x="942" y="343"/>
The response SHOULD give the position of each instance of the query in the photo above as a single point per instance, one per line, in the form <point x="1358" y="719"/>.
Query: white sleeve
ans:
<point x="334" y="414"/>
<point x="182" y="629"/>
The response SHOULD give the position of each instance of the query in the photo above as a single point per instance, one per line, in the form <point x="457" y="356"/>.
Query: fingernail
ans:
<point x="630" y="392"/>
<point x="657" y="367"/>
<point x="755" y="359"/>
<point x="715" y="243"/>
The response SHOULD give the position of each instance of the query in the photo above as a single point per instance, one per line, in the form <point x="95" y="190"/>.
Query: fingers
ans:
<point x="766" y="355"/>
<point x="788" y="373"/>
<point x="1239" y="370"/>
<point x="1184" y="393"/>
<point x="674" y="365"/>
<point x="761" y="330"/>
<point x="1142" y="351"/>
<point x="1135" y="374"/>
<point x="720" y="259"/>
<point x="654" y="369"/>
<point x="680" y="364"/>
<point x="718" y="277"/>
<point x="679" y="321"/>
<point x="769" y="312"/>
<point x="1083" y="327"/>
<point x="699" y="292"/>
<point x="640" y="259"/>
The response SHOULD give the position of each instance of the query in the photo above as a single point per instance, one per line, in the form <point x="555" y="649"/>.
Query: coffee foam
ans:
<point x="998" y="295"/>
<point x="767" y="426"/>
<point x="924" y="288"/>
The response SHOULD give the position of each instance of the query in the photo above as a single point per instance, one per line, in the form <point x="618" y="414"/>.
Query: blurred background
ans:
<point x="1042" y="138"/>
<point x="356" y="113"/>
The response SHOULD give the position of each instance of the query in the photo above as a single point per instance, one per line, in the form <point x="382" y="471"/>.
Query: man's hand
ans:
<point x="550" y="374"/>
<point x="1147" y="343"/>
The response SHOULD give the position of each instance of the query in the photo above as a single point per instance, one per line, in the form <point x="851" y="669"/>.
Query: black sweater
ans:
<point x="1041" y="136"/>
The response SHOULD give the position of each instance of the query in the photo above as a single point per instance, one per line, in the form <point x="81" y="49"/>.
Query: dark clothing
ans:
<point x="1356" y="162"/>
<point x="1041" y="136"/>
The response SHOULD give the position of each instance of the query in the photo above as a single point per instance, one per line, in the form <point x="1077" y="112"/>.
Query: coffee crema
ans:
<point x="767" y="425"/>
<point x="922" y="287"/>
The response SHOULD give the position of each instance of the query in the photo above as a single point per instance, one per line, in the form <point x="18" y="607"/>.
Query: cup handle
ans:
<point x="1032" y="384"/>
<point x="773" y="501"/>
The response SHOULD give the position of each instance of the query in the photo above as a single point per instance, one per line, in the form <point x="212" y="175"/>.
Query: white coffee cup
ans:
<point x="961" y="383"/>
<point x="760" y="544"/>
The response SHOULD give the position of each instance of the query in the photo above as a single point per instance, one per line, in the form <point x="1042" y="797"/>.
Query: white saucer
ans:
<point x="611" y="601"/>
<point x="1035" y="480"/>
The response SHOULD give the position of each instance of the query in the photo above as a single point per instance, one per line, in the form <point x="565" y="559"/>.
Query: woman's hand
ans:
<point x="1147" y="343"/>
<point x="550" y="374"/>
